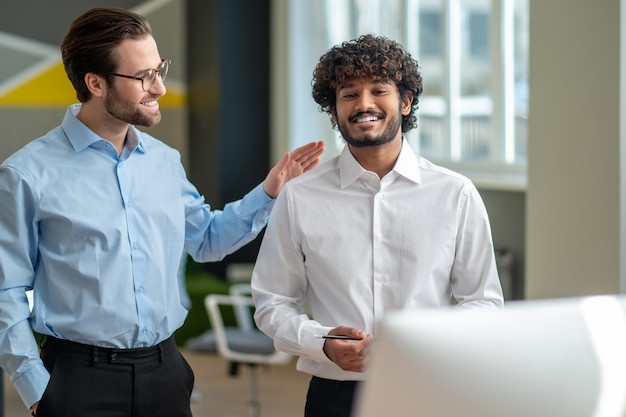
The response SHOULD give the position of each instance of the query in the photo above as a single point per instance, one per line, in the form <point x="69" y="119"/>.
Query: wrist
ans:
<point x="33" y="409"/>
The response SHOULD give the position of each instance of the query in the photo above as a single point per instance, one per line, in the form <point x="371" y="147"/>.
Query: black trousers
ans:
<point x="330" y="398"/>
<point x="88" y="381"/>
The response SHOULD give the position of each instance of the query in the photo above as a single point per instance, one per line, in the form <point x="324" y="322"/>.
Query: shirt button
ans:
<point x="113" y="357"/>
<point x="135" y="245"/>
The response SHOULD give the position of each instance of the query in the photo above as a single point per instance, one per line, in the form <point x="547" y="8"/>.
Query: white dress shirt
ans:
<point x="344" y="247"/>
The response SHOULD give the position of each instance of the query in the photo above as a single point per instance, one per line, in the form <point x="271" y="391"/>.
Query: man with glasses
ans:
<point x="94" y="217"/>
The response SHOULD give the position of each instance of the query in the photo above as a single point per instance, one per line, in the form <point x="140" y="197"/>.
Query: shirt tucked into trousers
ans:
<point x="154" y="382"/>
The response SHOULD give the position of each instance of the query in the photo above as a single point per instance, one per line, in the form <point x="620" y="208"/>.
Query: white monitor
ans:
<point x="543" y="358"/>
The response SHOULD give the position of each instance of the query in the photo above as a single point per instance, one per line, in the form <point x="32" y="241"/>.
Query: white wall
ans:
<point x="574" y="214"/>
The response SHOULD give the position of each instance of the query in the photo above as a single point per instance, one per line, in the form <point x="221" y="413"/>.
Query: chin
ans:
<point x="149" y="121"/>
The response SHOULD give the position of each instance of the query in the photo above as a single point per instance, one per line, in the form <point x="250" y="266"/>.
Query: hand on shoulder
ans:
<point x="292" y="164"/>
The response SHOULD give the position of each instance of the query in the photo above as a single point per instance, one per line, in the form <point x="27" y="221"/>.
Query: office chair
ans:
<point x="244" y="344"/>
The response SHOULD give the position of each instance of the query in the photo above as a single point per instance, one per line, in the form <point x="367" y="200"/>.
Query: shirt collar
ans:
<point x="81" y="137"/>
<point x="407" y="165"/>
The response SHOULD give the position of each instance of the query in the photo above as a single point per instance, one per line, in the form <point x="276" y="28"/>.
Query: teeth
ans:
<point x="367" y="119"/>
<point x="150" y="103"/>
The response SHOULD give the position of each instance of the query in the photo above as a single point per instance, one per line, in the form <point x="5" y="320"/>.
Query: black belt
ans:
<point x="335" y="384"/>
<point x="78" y="351"/>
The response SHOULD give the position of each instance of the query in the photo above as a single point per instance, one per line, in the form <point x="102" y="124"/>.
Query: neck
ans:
<point x="104" y="125"/>
<point x="378" y="159"/>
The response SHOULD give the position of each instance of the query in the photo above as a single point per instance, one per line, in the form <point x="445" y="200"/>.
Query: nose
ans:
<point x="158" y="87"/>
<point x="365" y="101"/>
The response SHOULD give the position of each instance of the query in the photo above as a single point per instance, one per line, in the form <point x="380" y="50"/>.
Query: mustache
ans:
<point x="360" y="114"/>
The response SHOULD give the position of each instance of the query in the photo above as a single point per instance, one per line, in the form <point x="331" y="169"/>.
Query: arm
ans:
<point x="475" y="281"/>
<point x="210" y="235"/>
<point x="19" y="355"/>
<point x="279" y="287"/>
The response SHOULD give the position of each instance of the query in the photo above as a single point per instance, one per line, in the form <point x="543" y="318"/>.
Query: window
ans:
<point x="473" y="56"/>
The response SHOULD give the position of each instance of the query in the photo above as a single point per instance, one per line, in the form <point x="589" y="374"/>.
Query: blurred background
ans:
<point x="526" y="97"/>
<point x="523" y="96"/>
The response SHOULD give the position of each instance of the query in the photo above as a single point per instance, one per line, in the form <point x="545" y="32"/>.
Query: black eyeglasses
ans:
<point x="147" y="81"/>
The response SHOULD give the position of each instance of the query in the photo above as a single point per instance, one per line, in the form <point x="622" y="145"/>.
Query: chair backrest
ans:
<point x="242" y="311"/>
<point x="244" y="343"/>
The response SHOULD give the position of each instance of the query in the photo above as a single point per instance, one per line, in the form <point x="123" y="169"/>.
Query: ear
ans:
<point x="96" y="84"/>
<point x="333" y="115"/>
<point x="407" y="100"/>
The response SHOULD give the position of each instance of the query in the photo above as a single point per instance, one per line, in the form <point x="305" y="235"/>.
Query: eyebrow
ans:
<point x="145" y="70"/>
<point x="350" y="83"/>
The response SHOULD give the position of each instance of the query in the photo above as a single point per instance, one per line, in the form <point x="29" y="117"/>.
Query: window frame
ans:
<point x="500" y="171"/>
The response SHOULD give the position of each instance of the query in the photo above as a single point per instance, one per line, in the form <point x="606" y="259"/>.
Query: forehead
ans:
<point x="137" y="54"/>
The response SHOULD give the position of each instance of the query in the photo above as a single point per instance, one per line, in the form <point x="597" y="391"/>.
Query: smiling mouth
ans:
<point x="150" y="103"/>
<point x="367" y="118"/>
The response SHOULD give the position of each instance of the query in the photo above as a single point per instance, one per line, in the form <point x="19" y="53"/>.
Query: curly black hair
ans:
<point x="366" y="57"/>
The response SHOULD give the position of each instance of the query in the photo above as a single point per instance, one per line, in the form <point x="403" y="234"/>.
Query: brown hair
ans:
<point x="366" y="57"/>
<point x="91" y="39"/>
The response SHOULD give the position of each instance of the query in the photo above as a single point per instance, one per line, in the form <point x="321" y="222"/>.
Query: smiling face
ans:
<point x="369" y="112"/>
<point x="125" y="99"/>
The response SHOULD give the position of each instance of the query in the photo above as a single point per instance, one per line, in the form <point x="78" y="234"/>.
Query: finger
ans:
<point x="313" y="155"/>
<point x="301" y="155"/>
<point x="312" y="161"/>
<point x="310" y="164"/>
<point x="304" y="149"/>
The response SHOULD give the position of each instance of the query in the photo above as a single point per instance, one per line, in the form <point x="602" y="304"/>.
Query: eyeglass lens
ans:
<point x="148" y="80"/>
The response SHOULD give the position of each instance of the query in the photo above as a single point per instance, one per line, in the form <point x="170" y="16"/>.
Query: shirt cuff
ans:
<point x="257" y="197"/>
<point x="259" y="194"/>
<point x="31" y="385"/>
<point x="313" y="345"/>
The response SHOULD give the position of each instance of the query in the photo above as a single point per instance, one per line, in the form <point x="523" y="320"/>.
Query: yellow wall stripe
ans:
<point x="52" y="88"/>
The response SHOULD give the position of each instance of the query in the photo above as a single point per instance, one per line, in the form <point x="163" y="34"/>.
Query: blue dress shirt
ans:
<point x="99" y="239"/>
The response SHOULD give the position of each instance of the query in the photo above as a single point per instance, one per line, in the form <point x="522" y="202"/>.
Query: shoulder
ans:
<point x="35" y="152"/>
<point x="322" y="173"/>
<point x="432" y="172"/>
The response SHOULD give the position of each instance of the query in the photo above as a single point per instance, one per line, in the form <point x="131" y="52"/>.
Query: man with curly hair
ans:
<point x="375" y="229"/>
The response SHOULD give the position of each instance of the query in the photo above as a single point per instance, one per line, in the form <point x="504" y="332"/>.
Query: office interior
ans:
<point x="565" y="227"/>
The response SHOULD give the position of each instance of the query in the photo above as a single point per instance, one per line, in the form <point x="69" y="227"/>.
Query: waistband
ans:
<point x="337" y="384"/>
<point x="77" y="351"/>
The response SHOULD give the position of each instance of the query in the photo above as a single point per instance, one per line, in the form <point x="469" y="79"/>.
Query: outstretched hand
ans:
<point x="291" y="165"/>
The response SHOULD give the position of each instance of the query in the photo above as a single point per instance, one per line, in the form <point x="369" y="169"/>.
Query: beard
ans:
<point x="366" y="140"/>
<point x="129" y="112"/>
